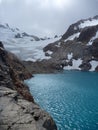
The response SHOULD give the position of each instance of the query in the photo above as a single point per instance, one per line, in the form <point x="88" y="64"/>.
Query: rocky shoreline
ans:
<point x="18" y="110"/>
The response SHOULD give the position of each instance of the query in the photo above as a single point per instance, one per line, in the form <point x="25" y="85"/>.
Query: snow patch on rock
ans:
<point x="75" y="65"/>
<point x="58" y="45"/>
<point x="89" y="23"/>
<point x="69" y="56"/>
<point x="94" y="64"/>
<point x="49" y="52"/>
<point x="75" y="28"/>
<point x="92" y="39"/>
<point x="72" y="37"/>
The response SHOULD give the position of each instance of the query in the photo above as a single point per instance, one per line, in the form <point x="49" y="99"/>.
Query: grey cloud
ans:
<point x="37" y="18"/>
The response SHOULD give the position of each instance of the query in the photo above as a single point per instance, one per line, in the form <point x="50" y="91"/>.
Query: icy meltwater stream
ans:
<point x="70" y="97"/>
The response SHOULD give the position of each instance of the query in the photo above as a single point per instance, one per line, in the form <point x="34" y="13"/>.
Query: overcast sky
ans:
<point x="45" y="17"/>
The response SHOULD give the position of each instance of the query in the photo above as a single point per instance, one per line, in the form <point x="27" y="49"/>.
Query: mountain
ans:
<point x="11" y="33"/>
<point x="75" y="29"/>
<point x="78" y="47"/>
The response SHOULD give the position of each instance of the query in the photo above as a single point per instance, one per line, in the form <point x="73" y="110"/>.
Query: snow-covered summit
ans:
<point x="7" y="32"/>
<point x="78" y="47"/>
<point x="5" y="25"/>
<point x="75" y="29"/>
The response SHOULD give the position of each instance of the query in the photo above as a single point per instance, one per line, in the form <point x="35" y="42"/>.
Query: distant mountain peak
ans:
<point x="79" y="25"/>
<point x="8" y="32"/>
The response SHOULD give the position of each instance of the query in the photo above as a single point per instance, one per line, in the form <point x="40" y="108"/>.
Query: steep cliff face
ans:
<point x="17" y="107"/>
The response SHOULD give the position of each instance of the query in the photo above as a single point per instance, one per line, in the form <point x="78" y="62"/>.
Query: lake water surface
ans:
<point x="70" y="97"/>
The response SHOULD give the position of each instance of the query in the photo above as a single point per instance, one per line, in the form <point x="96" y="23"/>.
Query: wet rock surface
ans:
<point x="18" y="110"/>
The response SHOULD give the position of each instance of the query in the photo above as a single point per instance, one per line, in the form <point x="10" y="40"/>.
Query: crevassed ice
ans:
<point x="75" y="28"/>
<point x="26" y="49"/>
<point x="31" y="50"/>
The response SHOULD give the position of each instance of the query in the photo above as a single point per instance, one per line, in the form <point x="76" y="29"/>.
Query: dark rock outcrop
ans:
<point x="71" y="30"/>
<point x="87" y="33"/>
<point x="74" y="28"/>
<point x="81" y="48"/>
<point x="24" y="34"/>
<point x="94" y="48"/>
<point x="85" y="66"/>
<point x="18" y="35"/>
<point x="17" y="107"/>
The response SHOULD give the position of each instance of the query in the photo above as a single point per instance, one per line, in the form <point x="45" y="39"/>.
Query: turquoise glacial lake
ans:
<point x="71" y="97"/>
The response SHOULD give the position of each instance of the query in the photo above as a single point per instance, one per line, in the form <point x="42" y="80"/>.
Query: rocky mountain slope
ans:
<point x="78" y="47"/>
<point x="18" y="111"/>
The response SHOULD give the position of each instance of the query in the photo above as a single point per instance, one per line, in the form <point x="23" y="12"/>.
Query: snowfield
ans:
<point x="89" y="23"/>
<point x="75" y="65"/>
<point x="26" y="48"/>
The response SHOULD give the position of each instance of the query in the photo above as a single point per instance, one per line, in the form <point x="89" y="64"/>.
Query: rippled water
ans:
<point x="70" y="97"/>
